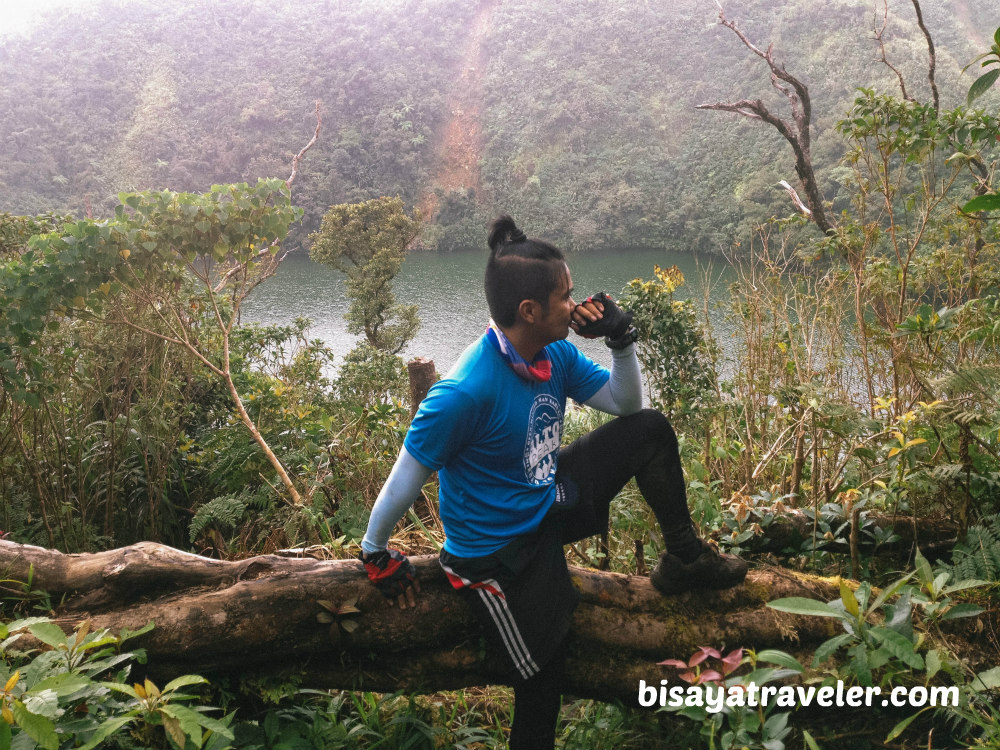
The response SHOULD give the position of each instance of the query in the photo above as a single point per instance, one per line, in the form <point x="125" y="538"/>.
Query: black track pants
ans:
<point x="592" y="470"/>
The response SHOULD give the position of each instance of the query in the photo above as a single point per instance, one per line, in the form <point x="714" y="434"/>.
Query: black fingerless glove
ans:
<point x="390" y="571"/>
<point x="614" y="324"/>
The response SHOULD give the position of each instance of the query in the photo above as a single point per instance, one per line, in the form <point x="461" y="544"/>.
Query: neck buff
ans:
<point x="540" y="370"/>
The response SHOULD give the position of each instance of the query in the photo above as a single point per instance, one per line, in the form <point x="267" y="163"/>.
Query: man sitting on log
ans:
<point x="511" y="496"/>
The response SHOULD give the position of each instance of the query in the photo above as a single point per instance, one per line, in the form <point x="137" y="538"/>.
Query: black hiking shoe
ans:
<point x="710" y="570"/>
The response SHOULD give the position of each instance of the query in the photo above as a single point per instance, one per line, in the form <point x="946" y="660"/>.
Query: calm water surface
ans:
<point x="448" y="290"/>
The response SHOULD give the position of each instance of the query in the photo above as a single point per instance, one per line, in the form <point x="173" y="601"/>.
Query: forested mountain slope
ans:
<point x="577" y="118"/>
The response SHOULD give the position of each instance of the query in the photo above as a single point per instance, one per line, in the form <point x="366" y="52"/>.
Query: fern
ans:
<point x="978" y="555"/>
<point x="981" y="485"/>
<point x="226" y="511"/>
<point x="969" y="379"/>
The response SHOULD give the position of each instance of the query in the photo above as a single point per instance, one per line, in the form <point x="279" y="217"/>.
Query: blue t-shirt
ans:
<point x="494" y="439"/>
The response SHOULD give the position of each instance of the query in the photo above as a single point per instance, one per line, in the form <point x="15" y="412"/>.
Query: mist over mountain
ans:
<point x="577" y="118"/>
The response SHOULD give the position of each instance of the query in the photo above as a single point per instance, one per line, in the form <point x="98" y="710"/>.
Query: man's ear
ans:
<point x="529" y="310"/>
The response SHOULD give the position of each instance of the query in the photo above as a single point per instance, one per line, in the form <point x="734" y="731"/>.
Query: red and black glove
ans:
<point x="390" y="571"/>
<point x="613" y="324"/>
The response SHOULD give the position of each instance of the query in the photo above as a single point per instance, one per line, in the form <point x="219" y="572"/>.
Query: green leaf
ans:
<point x="798" y="605"/>
<point x="49" y="634"/>
<point x="192" y="721"/>
<point x="104" y="731"/>
<point x="967" y="583"/>
<point x="42" y="703"/>
<point x="890" y="591"/>
<point x="828" y="648"/>
<point x="983" y="203"/>
<point x="849" y="599"/>
<point x="933" y="662"/>
<point x="901" y="726"/>
<point x="127" y="634"/>
<point x="776" y="723"/>
<point x="782" y="659"/>
<point x="924" y="572"/>
<point x="982" y="84"/>
<point x="899" y="646"/>
<point x="899" y="615"/>
<point x="963" y="610"/>
<point x="122" y="688"/>
<point x="40" y="729"/>
<point x="988" y="680"/>
<point x="63" y="684"/>
<point x="184" y="681"/>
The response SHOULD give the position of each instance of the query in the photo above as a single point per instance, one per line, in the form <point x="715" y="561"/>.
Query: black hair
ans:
<point x="519" y="268"/>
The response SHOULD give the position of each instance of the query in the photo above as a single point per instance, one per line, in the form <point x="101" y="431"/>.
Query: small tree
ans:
<point x="187" y="260"/>
<point x="367" y="242"/>
<point x="675" y="356"/>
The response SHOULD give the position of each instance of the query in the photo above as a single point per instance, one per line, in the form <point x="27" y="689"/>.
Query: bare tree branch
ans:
<point x="298" y="157"/>
<point x="795" y="131"/>
<point x="291" y="178"/>
<point x="879" y="37"/>
<point x="931" y="58"/>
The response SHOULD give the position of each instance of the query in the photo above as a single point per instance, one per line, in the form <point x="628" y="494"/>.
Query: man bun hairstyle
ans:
<point x="504" y="230"/>
<point x="519" y="268"/>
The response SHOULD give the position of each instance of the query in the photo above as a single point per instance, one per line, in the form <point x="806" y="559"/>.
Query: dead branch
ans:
<point x="288" y="183"/>
<point x="795" y="131"/>
<point x="931" y="57"/>
<point x="879" y="38"/>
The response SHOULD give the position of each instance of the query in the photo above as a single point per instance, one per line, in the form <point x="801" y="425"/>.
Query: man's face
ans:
<point x="554" y="324"/>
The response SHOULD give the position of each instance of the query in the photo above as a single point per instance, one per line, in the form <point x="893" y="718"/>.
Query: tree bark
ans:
<point x="422" y="375"/>
<point x="261" y="616"/>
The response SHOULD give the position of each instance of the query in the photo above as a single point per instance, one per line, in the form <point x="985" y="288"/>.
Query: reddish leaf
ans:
<point x="732" y="660"/>
<point x="697" y="659"/>
<point x="709" y="675"/>
<point x="703" y="653"/>
<point x="673" y="663"/>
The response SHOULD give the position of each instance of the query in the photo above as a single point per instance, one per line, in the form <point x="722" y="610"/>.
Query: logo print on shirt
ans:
<point x="544" y="438"/>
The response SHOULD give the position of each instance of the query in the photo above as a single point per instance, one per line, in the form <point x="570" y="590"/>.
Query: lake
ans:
<point x="448" y="290"/>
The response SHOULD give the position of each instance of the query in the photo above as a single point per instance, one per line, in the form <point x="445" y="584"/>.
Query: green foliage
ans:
<point x="364" y="720"/>
<point x="735" y="724"/>
<point x="66" y="695"/>
<point x="226" y="512"/>
<point x="880" y="653"/>
<point x="155" y="242"/>
<point x="15" y="231"/>
<point x="368" y="242"/>
<point x="978" y="555"/>
<point x="599" y="154"/>
<point x="147" y="710"/>
<point x="982" y="84"/>
<point x="672" y="348"/>
<point x="101" y="325"/>
<point x="371" y="376"/>
<point x="881" y="642"/>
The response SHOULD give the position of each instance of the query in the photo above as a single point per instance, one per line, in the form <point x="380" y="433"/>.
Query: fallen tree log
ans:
<point x="792" y="528"/>
<point x="270" y="615"/>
